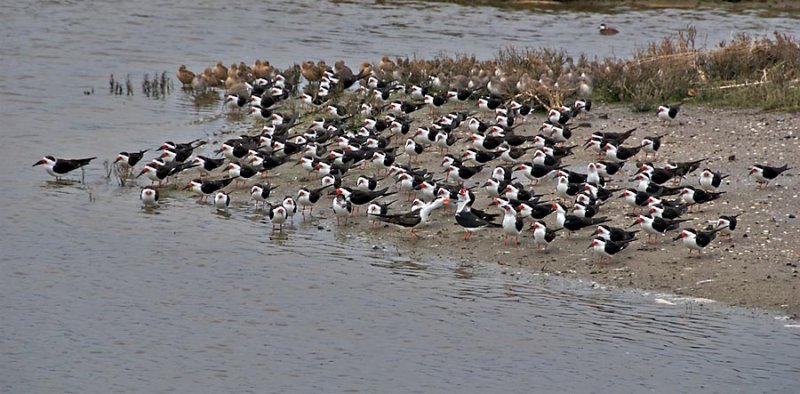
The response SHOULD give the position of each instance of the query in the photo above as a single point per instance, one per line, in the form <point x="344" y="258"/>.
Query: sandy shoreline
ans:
<point x="758" y="268"/>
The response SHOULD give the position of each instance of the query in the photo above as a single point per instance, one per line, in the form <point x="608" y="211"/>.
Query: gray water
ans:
<point x="98" y="295"/>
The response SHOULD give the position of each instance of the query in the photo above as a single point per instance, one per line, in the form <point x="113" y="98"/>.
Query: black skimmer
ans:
<point x="667" y="212"/>
<point x="418" y="92"/>
<point x="375" y="209"/>
<point x="290" y="206"/>
<point x="607" y="168"/>
<point x="477" y="156"/>
<point x="696" y="240"/>
<point x="494" y="187"/>
<point x="607" y="30"/>
<point x="414" y="219"/>
<point x="727" y="225"/>
<point x="404" y="106"/>
<point x="668" y="113"/>
<point x="462" y="173"/>
<point x="383" y="160"/>
<point x="128" y="160"/>
<point x="367" y="183"/>
<point x="574" y="223"/>
<point x="585" y="210"/>
<point x="222" y="201"/>
<point x="598" y="192"/>
<point x="693" y="196"/>
<point x="412" y="149"/>
<point x="358" y="197"/>
<point x="277" y="216"/>
<point x="470" y="221"/>
<point x="593" y="176"/>
<point x="608" y="248"/>
<point x="635" y="198"/>
<point x="659" y="176"/>
<point x="605" y="137"/>
<point x="651" y="145"/>
<point x="206" y="188"/>
<point x="543" y="236"/>
<point x="572" y="176"/>
<point x="60" y="167"/>
<point x="534" y="172"/>
<point x="158" y="171"/>
<point x="485" y="143"/>
<point x="615" y="234"/>
<point x="685" y="168"/>
<point x="467" y="197"/>
<point x="445" y="140"/>
<point x="182" y="146"/>
<point x="620" y="153"/>
<point x="645" y="185"/>
<point x="566" y="190"/>
<point x="655" y="226"/>
<point x="489" y="102"/>
<point x="261" y="193"/>
<point x="435" y="102"/>
<point x="306" y="198"/>
<point x="512" y="224"/>
<point x="535" y="211"/>
<point x="475" y="125"/>
<point x="558" y="117"/>
<point x="244" y="172"/>
<point x="149" y="197"/>
<point x="208" y="164"/>
<point x="710" y="180"/>
<point x="179" y="155"/>
<point x="235" y="101"/>
<point x="516" y="191"/>
<point x="764" y="174"/>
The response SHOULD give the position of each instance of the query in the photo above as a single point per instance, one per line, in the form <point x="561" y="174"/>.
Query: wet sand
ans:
<point x="756" y="268"/>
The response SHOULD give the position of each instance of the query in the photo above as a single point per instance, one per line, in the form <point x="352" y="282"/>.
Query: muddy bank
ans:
<point x="757" y="268"/>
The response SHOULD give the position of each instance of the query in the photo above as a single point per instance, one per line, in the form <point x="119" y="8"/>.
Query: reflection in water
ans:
<point x="181" y="298"/>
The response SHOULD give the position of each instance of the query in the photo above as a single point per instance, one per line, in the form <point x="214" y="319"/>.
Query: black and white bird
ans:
<point x="206" y="188"/>
<point x="127" y="160"/>
<point x="222" y="201"/>
<point x="710" y="180"/>
<point x="651" y="145"/>
<point x="696" y="240"/>
<point x="607" y="248"/>
<point x="470" y="221"/>
<point x="60" y="167"/>
<point x="726" y="224"/>
<point x="615" y="234"/>
<point x="690" y="195"/>
<point x="655" y="226"/>
<point x="542" y="236"/>
<point x="306" y="198"/>
<point x="764" y="174"/>
<point x="277" y="216"/>
<point x="342" y="208"/>
<point x="149" y="197"/>
<point x="261" y="193"/>
<point x="668" y="113"/>
<point x="512" y="224"/>
<point x="375" y="209"/>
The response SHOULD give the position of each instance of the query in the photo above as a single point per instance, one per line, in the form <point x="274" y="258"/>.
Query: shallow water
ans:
<point x="99" y="295"/>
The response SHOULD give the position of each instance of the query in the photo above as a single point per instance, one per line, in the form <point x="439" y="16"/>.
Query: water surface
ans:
<point x="98" y="295"/>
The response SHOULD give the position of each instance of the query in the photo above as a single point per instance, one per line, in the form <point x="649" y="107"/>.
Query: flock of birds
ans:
<point x="371" y="123"/>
